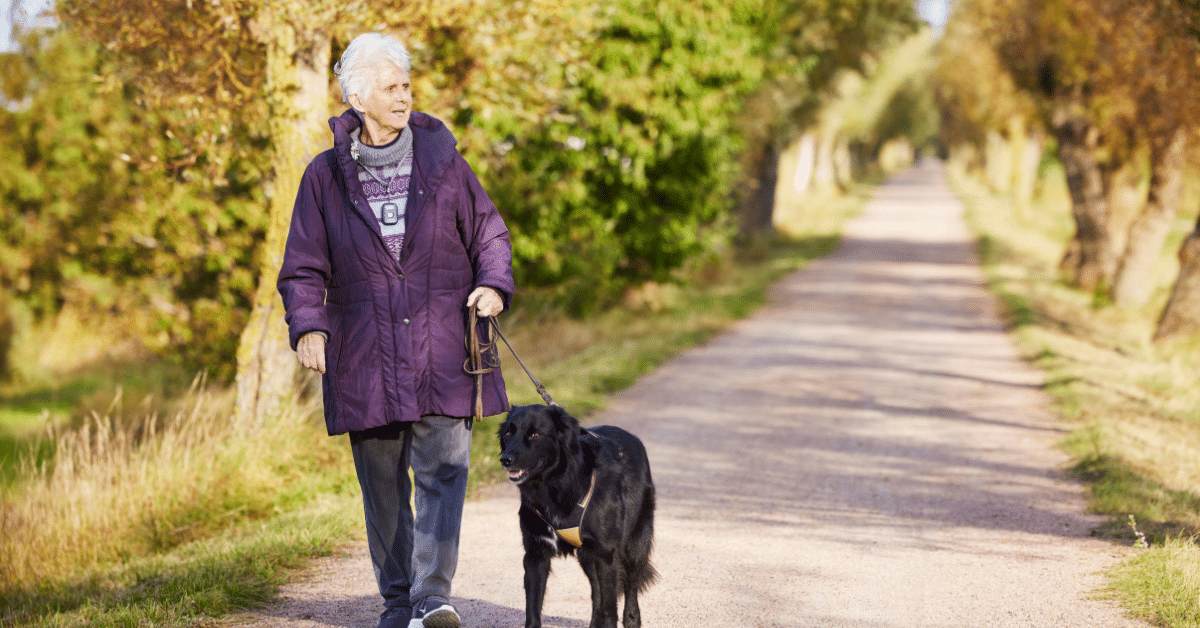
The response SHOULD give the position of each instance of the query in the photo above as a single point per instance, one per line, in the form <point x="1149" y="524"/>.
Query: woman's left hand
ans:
<point x="486" y="301"/>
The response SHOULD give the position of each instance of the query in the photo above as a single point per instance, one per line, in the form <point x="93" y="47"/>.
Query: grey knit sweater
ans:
<point x="384" y="172"/>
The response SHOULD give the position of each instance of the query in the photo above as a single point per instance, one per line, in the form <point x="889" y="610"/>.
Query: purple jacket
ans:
<point x="396" y="330"/>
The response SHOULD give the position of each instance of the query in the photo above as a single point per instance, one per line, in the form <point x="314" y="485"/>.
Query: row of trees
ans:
<point x="1112" y="85"/>
<point x="154" y="146"/>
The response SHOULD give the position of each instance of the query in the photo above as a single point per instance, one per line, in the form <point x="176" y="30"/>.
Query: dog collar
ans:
<point x="570" y="534"/>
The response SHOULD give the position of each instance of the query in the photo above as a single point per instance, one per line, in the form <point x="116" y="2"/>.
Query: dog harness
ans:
<point x="571" y="534"/>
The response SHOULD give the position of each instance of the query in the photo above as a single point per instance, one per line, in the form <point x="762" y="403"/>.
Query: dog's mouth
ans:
<point x="516" y="476"/>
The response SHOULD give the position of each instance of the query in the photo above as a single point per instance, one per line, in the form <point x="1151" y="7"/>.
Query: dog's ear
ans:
<point x="567" y="426"/>
<point x="563" y="422"/>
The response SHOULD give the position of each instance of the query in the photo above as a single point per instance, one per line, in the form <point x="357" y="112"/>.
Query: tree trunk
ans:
<point x="298" y="96"/>
<point x="1134" y="282"/>
<point x="1126" y="201"/>
<point x="1182" y="314"/>
<point x="806" y="164"/>
<point x="825" y="170"/>
<point x="759" y="207"/>
<point x="998" y="162"/>
<point x="1089" y="262"/>
<point x="7" y="332"/>
<point x="843" y="163"/>
<point x="1026" y="157"/>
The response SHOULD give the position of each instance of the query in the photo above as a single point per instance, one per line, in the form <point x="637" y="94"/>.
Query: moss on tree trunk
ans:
<point x="298" y="86"/>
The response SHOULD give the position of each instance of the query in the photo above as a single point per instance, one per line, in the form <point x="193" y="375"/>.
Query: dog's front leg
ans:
<point x="602" y="574"/>
<point x="537" y="572"/>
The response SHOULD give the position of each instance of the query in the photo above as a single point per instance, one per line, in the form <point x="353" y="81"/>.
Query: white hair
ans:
<point x="358" y="63"/>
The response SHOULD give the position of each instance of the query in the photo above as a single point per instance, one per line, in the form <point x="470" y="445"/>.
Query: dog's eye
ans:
<point x="534" y="436"/>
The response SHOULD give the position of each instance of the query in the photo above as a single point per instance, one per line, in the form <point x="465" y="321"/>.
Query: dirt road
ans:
<point x="866" y="451"/>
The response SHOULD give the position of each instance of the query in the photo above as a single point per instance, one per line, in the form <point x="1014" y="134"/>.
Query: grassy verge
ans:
<point x="124" y="391"/>
<point x="175" y="519"/>
<point x="1132" y="406"/>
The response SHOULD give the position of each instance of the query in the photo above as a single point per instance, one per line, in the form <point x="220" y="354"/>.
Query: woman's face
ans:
<point x="388" y="103"/>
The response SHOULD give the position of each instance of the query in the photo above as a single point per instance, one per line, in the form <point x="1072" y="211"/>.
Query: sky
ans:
<point x="933" y="11"/>
<point x="14" y="11"/>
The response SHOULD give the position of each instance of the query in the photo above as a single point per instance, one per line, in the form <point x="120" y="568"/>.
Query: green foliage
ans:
<point x="636" y="168"/>
<point x="909" y="113"/>
<point x="891" y="99"/>
<point x="970" y="106"/>
<point x="1040" y="54"/>
<point x="89" y="220"/>
<point x="638" y="159"/>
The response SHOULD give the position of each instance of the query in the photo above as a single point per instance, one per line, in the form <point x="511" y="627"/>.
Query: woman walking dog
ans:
<point x="392" y="240"/>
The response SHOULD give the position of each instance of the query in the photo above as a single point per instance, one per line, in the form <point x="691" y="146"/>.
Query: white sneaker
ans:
<point x="440" y="615"/>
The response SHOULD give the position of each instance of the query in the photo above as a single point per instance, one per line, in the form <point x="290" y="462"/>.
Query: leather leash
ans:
<point x="479" y="365"/>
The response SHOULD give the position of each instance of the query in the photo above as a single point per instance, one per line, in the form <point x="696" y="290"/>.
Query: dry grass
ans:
<point x="114" y="491"/>
<point x="1133" y="405"/>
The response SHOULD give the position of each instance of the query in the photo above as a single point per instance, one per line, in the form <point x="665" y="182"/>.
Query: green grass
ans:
<point x="205" y="517"/>
<point x="1130" y="404"/>
<point x="1162" y="583"/>
<point x="243" y="567"/>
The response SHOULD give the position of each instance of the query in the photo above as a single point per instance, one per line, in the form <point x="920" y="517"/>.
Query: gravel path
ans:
<point x="866" y="451"/>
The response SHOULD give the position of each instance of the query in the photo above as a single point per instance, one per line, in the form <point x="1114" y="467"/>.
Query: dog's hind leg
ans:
<point x="603" y="574"/>
<point x="632" y="618"/>
<point x="638" y="573"/>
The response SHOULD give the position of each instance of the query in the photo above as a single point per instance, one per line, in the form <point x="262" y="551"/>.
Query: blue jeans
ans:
<point x="414" y="557"/>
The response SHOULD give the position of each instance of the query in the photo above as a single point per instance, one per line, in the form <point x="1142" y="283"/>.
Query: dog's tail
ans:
<point x="643" y="575"/>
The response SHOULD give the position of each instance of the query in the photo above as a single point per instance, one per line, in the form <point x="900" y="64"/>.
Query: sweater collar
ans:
<point x="378" y="156"/>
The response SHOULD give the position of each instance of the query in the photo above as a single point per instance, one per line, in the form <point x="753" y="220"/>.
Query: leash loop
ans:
<point x="482" y="359"/>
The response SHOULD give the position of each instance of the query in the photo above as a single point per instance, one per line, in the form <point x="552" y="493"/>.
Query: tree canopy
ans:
<point x="1114" y="84"/>
<point x="611" y="134"/>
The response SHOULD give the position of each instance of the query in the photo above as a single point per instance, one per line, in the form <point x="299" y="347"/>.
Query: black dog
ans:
<point x="583" y="492"/>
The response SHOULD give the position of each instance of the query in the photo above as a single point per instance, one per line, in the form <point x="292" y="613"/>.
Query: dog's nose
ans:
<point x="506" y="460"/>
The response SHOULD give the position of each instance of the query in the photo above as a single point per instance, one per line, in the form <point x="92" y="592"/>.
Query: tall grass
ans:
<point x="1132" y="406"/>
<point x="117" y="490"/>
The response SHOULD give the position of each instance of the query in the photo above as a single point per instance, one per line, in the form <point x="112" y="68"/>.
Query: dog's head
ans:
<point x="535" y="439"/>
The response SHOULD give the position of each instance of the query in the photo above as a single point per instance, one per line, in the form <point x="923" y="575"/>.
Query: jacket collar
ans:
<point x="434" y="146"/>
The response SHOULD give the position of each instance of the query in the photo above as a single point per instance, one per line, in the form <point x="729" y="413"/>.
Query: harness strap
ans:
<point x="571" y="535"/>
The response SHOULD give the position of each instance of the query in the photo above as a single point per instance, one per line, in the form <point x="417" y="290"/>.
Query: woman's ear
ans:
<point x="355" y="102"/>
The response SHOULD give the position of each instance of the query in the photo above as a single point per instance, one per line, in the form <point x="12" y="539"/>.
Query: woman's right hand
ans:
<point x="311" y="351"/>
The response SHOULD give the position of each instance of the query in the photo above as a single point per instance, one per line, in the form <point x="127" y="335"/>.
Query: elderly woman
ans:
<point x="392" y="240"/>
